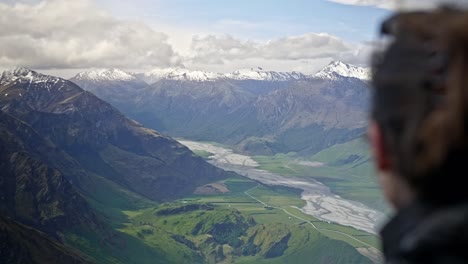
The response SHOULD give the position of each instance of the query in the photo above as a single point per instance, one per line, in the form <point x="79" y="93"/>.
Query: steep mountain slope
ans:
<point x="40" y="187"/>
<point x="313" y="114"/>
<point x="102" y="139"/>
<point x="260" y="112"/>
<point x="22" y="244"/>
<point x="33" y="190"/>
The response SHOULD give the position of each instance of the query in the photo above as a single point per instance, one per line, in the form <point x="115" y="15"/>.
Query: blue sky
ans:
<point x="257" y="19"/>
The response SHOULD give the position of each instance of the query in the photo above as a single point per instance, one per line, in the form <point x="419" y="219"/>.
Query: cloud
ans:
<point x="402" y="4"/>
<point x="360" y="55"/>
<point x="377" y="3"/>
<point x="76" y="34"/>
<point x="216" y="49"/>
<point x="62" y="35"/>
<point x="220" y="49"/>
<point x="306" y="53"/>
<point x="307" y="46"/>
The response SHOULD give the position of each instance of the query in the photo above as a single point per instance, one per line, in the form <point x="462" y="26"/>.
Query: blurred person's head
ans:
<point x="420" y="108"/>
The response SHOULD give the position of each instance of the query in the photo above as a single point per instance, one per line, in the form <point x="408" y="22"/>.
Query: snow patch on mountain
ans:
<point x="24" y="75"/>
<point x="260" y="74"/>
<point x="337" y="68"/>
<point x="179" y="74"/>
<point x="105" y="75"/>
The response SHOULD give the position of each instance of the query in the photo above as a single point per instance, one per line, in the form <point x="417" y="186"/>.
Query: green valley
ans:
<point x="236" y="228"/>
<point x="345" y="168"/>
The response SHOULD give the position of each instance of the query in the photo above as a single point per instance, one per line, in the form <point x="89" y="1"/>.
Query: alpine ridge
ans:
<point x="331" y="71"/>
<point x="181" y="74"/>
<point x="105" y="75"/>
<point x="261" y="75"/>
<point x="258" y="111"/>
<point x="178" y="74"/>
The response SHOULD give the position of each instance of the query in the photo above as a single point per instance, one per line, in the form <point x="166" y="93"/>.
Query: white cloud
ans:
<point x="307" y="46"/>
<point x="377" y="3"/>
<point x="61" y="35"/>
<point x="211" y="49"/>
<point x="76" y="34"/>
<point x="360" y="55"/>
<point x="401" y="4"/>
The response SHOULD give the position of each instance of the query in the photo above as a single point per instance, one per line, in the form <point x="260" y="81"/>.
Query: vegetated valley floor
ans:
<point x="267" y="205"/>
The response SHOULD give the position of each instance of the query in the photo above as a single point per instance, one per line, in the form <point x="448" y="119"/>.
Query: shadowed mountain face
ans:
<point x="22" y="244"/>
<point x="101" y="139"/>
<point x="33" y="190"/>
<point x="302" y="115"/>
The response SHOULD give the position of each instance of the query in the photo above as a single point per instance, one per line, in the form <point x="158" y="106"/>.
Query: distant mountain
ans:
<point x="331" y="71"/>
<point x="181" y="74"/>
<point x="115" y="86"/>
<point x="178" y="74"/>
<point x="105" y="75"/>
<point x="260" y="111"/>
<point x="309" y="116"/>
<point x="337" y="69"/>
<point x="261" y="75"/>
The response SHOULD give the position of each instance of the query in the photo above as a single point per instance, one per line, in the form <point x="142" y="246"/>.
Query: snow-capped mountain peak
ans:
<point x="179" y="74"/>
<point x="182" y="74"/>
<point x="105" y="75"/>
<point x="24" y="75"/>
<point x="260" y="74"/>
<point x="338" y="68"/>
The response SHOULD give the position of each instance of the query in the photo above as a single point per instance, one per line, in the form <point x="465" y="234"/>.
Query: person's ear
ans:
<point x="378" y="148"/>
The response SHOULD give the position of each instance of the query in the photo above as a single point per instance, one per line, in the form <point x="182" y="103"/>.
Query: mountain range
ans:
<point x="82" y="183"/>
<point x="333" y="69"/>
<point x="258" y="111"/>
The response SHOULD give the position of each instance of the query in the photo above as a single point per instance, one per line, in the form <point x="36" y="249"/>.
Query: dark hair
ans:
<point x="420" y="100"/>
